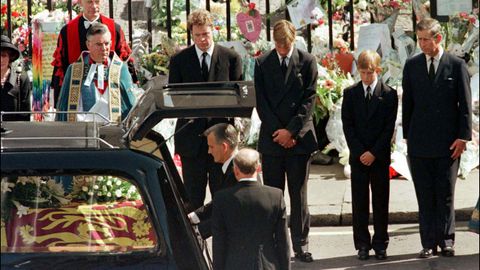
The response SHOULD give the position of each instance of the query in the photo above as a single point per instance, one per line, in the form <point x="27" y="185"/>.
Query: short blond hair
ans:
<point x="284" y="32"/>
<point x="369" y="60"/>
<point x="199" y="17"/>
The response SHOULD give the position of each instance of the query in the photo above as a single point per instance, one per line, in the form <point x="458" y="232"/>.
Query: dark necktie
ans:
<point x="284" y="66"/>
<point x="431" y="70"/>
<point x="204" y="66"/>
<point x="369" y="94"/>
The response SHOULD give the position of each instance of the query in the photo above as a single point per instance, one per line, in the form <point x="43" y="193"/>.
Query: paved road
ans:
<point x="332" y="248"/>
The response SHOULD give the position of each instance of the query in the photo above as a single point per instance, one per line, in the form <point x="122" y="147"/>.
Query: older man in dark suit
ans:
<point x="249" y="222"/>
<point x="285" y="84"/>
<point x="437" y="123"/>
<point x="222" y="140"/>
<point x="202" y="62"/>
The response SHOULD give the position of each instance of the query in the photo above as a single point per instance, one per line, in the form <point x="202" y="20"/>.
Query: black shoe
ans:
<point x="363" y="254"/>
<point x="427" y="253"/>
<point x="322" y="159"/>
<point x="304" y="256"/>
<point x="448" y="252"/>
<point x="381" y="254"/>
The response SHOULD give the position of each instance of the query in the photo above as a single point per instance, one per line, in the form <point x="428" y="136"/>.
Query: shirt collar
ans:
<point x="96" y="19"/>
<point x="436" y="57"/>
<point x="200" y="52"/>
<point x="372" y="86"/>
<point x="227" y="163"/>
<point x="248" y="180"/>
<point x="289" y="55"/>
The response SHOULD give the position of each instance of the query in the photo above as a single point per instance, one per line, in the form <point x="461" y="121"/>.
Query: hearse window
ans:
<point x="92" y="213"/>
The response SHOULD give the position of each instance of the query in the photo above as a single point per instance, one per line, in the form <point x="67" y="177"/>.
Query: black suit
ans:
<point x="435" y="114"/>
<point x="204" y="213"/>
<point x="369" y="126"/>
<point x="287" y="103"/>
<point x="197" y="164"/>
<point x="249" y="226"/>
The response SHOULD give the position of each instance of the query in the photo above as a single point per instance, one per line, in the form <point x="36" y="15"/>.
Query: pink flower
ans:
<point x="337" y="16"/>
<point x="329" y="84"/>
<point x="461" y="14"/>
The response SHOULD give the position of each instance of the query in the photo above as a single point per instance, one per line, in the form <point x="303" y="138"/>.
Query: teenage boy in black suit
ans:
<point x="285" y="85"/>
<point x="369" y="111"/>
<point x="202" y="62"/>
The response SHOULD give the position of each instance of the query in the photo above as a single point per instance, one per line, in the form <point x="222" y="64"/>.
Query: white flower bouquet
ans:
<point x="98" y="189"/>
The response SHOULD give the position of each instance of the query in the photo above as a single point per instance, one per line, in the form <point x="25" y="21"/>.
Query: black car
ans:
<point x="83" y="195"/>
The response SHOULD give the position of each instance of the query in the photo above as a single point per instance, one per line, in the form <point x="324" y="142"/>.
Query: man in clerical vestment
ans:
<point x="98" y="83"/>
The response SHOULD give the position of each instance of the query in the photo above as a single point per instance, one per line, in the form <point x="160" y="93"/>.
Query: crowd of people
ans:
<point x="247" y="218"/>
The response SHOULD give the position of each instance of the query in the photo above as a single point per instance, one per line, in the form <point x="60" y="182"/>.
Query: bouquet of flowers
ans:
<point x="382" y="9"/>
<point x="459" y="25"/>
<point x="19" y="13"/>
<point x="157" y="62"/>
<point x="330" y="85"/>
<point x="98" y="189"/>
<point x="34" y="191"/>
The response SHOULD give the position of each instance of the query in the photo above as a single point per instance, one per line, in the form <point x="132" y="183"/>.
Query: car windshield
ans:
<point x="74" y="213"/>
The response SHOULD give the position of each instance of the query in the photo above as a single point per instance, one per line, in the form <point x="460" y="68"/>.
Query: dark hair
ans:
<point x="224" y="132"/>
<point x="97" y="28"/>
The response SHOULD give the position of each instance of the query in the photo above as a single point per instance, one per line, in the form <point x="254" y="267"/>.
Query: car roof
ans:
<point x="189" y="100"/>
<point x="25" y="136"/>
<point x="186" y="100"/>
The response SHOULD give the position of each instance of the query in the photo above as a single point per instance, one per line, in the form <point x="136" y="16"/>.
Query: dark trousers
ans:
<point x="376" y="178"/>
<point x="434" y="180"/>
<point x="296" y="169"/>
<point x="197" y="171"/>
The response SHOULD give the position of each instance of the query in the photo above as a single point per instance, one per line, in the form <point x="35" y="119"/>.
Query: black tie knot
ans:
<point x="204" y="66"/>
<point x="369" y="93"/>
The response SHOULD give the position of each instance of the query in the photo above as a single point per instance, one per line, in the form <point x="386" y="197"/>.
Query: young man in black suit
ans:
<point x="369" y="110"/>
<point x="222" y="140"/>
<point x="204" y="61"/>
<point x="437" y="123"/>
<point x="249" y="221"/>
<point x="285" y="84"/>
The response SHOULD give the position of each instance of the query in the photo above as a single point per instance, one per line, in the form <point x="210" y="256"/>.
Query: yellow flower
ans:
<point x="140" y="228"/>
<point x="143" y="242"/>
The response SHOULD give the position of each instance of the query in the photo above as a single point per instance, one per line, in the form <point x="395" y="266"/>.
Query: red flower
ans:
<point x="394" y="4"/>
<point x="257" y="54"/>
<point x="4" y="9"/>
<point x="251" y="6"/>
<point x="392" y="173"/>
<point x="217" y="28"/>
<point x="320" y="21"/>
<point x="472" y="20"/>
<point x="15" y="14"/>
